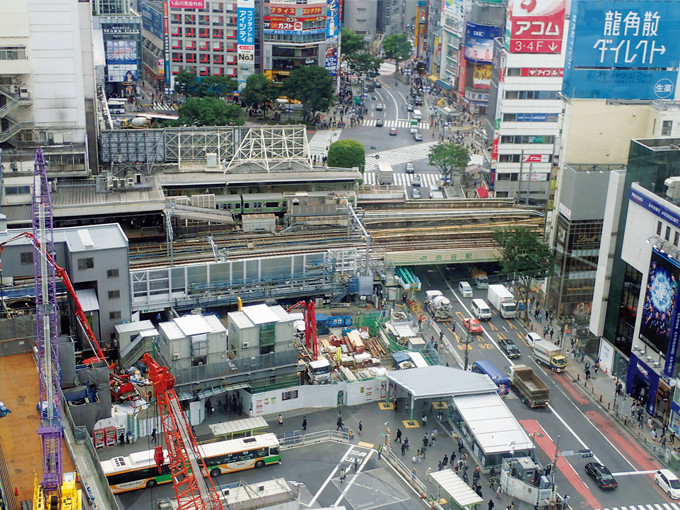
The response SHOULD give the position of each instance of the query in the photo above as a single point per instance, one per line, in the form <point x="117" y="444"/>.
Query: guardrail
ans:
<point x="296" y="440"/>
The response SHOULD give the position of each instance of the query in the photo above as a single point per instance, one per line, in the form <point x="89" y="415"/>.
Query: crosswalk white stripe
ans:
<point x="673" y="506"/>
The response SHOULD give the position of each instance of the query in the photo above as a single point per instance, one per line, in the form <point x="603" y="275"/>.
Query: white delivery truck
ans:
<point x="503" y="301"/>
<point x="385" y="173"/>
<point x="319" y="371"/>
<point x="550" y="354"/>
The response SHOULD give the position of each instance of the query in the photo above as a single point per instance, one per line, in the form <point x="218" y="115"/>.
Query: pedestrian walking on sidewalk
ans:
<point x="340" y="425"/>
<point x="460" y="445"/>
<point x="153" y="436"/>
<point x="398" y="438"/>
<point x="490" y="505"/>
<point x="304" y="423"/>
<point x="360" y="427"/>
<point x="672" y="437"/>
<point x="343" y="475"/>
<point x="280" y="419"/>
<point x="565" y="501"/>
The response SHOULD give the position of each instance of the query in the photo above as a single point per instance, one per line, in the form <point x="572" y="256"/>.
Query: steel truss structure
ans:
<point x="273" y="148"/>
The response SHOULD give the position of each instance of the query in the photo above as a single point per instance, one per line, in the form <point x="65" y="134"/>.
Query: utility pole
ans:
<point x="554" y="469"/>
<point x="519" y="183"/>
<point x="467" y="343"/>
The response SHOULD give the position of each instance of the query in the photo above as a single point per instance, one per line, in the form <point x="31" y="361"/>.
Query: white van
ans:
<point x="417" y="115"/>
<point x="481" y="310"/>
<point x="465" y="289"/>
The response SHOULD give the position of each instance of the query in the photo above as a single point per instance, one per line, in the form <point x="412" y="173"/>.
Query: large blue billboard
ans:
<point x="152" y="20"/>
<point x="246" y="23"/>
<point x="659" y="327"/>
<point x="622" y="50"/>
<point x="479" y="42"/>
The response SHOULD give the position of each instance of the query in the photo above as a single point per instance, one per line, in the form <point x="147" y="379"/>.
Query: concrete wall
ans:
<point x="600" y="133"/>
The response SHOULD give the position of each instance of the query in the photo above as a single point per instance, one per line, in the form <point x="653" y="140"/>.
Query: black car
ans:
<point x="509" y="348"/>
<point x="602" y="476"/>
<point x="380" y="123"/>
<point x="418" y="101"/>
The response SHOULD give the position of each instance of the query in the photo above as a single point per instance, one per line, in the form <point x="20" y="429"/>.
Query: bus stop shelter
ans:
<point x="458" y="491"/>
<point x="439" y="382"/>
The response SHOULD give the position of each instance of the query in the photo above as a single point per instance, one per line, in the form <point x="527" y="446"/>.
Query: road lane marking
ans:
<point x="356" y="474"/>
<point x="327" y="481"/>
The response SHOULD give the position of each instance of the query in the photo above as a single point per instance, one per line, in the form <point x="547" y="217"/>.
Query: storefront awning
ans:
<point x="443" y="84"/>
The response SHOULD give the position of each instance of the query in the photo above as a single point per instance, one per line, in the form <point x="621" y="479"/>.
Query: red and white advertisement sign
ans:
<point x="537" y="26"/>
<point x="536" y="158"/>
<point x="543" y="72"/>
<point x="188" y="4"/>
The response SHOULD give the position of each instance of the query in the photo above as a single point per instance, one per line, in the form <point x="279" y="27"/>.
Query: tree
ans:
<point x="525" y="256"/>
<point x="397" y="46"/>
<point x="347" y="154"/>
<point x="364" y="64"/>
<point x="311" y="85"/>
<point x="216" y="86"/>
<point x="186" y="83"/>
<point x="209" y="111"/>
<point x="259" y="90"/>
<point x="448" y="157"/>
<point x="351" y="42"/>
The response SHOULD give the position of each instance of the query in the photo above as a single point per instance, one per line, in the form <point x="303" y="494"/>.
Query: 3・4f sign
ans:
<point x="537" y="26"/>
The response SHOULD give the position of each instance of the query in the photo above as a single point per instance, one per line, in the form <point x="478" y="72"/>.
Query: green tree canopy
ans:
<point x="311" y="85"/>
<point x="448" y="157"/>
<point x="397" y="46"/>
<point x="364" y="64"/>
<point x="216" y="86"/>
<point x="186" y="83"/>
<point x="347" y="154"/>
<point x="259" y="90"/>
<point x="351" y="42"/>
<point x="524" y="255"/>
<point x="209" y="111"/>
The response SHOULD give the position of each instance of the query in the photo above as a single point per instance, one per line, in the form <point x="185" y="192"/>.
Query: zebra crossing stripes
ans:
<point x="395" y="123"/>
<point x="387" y="68"/>
<point x="655" y="506"/>
<point x="401" y="179"/>
<point x="160" y="107"/>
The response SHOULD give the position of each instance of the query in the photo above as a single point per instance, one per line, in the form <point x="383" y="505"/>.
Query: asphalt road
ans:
<point x="571" y="416"/>
<point x="373" y="485"/>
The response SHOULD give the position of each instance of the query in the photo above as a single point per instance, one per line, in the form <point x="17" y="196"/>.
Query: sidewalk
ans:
<point x="601" y="389"/>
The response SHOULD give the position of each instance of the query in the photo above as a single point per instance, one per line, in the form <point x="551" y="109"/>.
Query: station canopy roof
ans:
<point x="439" y="382"/>
<point x="454" y="485"/>
<point x="492" y="423"/>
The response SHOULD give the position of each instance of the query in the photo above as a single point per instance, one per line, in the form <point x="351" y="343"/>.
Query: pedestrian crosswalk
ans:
<point x="404" y="180"/>
<point x="395" y="123"/>
<point x="415" y="152"/>
<point x="162" y="107"/>
<point x="655" y="506"/>
<point x="387" y="68"/>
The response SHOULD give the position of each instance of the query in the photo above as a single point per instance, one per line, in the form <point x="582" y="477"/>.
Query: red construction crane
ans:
<point x="309" y="313"/>
<point x="66" y="280"/>
<point x="194" y="489"/>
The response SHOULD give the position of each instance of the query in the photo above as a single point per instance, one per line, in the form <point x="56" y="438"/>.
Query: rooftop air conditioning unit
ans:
<point x="673" y="188"/>
<point x="175" y="356"/>
<point x="246" y="345"/>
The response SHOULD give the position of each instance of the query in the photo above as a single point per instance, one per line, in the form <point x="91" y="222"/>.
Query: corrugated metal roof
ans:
<point x="192" y="325"/>
<point x="88" y="300"/>
<point x="439" y="381"/>
<point x="492" y="423"/>
<point x="454" y="485"/>
<point x="260" y="314"/>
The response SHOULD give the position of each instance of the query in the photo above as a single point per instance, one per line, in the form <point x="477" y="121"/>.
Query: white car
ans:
<point x="668" y="482"/>
<point x="532" y="337"/>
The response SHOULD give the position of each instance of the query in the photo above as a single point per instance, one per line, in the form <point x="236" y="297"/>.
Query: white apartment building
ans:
<point x="46" y="84"/>
<point x="526" y="122"/>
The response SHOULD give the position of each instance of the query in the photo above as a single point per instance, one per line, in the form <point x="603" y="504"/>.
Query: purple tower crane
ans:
<point x="50" y="430"/>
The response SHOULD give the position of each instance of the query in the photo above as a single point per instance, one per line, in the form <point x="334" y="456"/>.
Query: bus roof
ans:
<point x="491" y="370"/>
<point x="242" y="443"/>
<point x="383" y="166"/>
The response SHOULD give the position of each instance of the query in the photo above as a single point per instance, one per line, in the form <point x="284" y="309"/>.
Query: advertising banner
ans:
<point x="623" y="50"/>
<point x="479" y="42"/>
<point x="333" y="8"/>
<point x="659" y="323"/>
<point x="166" y="46"/>
<point x="188" y="4"/>
<point x="121" y="61"/>
<point x="536" y="26"/>
<point x="481" y="76"/>
<point x="152" y="20"/>
<point x="536" y="158"/>
<point x="282" y="10"/>
<point x="543" y="72"/>
<point x="245" y="13"/>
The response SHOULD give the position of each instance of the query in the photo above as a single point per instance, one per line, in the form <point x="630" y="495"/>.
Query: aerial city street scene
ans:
<point x="339" y="254"/>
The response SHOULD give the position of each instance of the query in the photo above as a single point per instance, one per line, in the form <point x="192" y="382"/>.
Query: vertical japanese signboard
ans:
<point x="166" y="49"/>
<point x="535" y="26"/>
<point x="333" y="8"/>
<point x="623" y="50"/>
<point x="245" y="12"/>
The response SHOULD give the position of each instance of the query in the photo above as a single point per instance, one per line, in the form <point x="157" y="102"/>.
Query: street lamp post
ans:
<point x="467" y="344"/>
